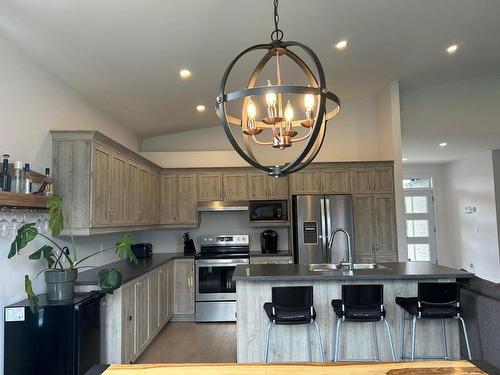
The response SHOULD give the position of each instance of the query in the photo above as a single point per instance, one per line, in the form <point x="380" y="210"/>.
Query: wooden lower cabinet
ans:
<point x="184" y="287"/>
<point x="146" y="306"/>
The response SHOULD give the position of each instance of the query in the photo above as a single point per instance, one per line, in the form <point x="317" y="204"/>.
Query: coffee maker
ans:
<point x="269" y="242"/>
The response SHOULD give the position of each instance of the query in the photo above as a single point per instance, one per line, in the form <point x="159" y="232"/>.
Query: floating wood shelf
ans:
<point x="8" y="199"/>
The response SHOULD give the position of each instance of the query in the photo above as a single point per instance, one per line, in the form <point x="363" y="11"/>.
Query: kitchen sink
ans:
<point x="329" y="267"/>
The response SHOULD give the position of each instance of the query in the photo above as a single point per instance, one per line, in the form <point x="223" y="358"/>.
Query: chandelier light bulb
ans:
<point x="270" y="97"/>
<point x="288" y="112"/>
<point x="251" y="110"/>
<point x="309" y="102"/>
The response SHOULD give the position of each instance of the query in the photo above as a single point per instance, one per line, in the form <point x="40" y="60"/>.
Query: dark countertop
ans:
<point x="280" y="253"/>
<point x="129" y="270"/>
<point x="393" y="271"/>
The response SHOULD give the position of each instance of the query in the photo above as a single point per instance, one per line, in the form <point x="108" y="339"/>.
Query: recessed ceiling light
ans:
<point x="443" y="144"/>
<point x="184" y="73"/>
<point x="200" y="108"/>
<point x="405" y="159"/>
<point x="452" y="49"/>
<point x="341" y="45"/>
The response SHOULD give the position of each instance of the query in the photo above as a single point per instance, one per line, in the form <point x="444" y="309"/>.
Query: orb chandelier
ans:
<point x="279" y="126"/>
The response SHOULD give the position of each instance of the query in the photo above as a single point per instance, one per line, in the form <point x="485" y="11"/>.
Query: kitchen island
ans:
<point x="289" y="344"/>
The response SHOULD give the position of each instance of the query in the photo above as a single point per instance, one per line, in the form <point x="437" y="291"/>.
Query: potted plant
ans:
<point x="62" y="264"/>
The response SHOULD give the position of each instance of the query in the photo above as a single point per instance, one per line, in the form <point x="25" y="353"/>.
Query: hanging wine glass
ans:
<point x="39" y="225"/>
<point x="4" y="223"/>
<point x="15" y="224"/>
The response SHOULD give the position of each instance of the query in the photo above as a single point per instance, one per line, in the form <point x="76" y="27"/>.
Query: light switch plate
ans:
<point x="14" y="314"/>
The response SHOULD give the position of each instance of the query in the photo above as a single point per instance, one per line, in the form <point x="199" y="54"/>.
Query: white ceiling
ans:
<point x="125" y="55"/>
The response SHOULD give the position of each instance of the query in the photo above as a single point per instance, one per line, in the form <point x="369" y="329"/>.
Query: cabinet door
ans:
<point x="382" y="180"/>
<point x="163" y="295"/>
<point x="384" y="227"/>
<point x="307" y="182"/>
<point x="128" y="324"/>
<point x="170" y="289"/>
<point x="278" y="187"/>
<point x="168" y="199"/>
<point x="154" y="302"/>
<point x="235" y="186"/>
<point x="142" y="313"/>
<point x="363" y="228"/>
<point x="117" y="192"/>
<point x="101" y="186"/>
<point x="187" y="198"/>
<point x="132" y="193"/>
<point x="335" y="181"/>
<point x="360" y="180"/>
<point x="209" y="186"/>
<point x="154" y="198"/>
<point x="258" y="187"/>
<point x="143" y="192"/>
<point x="184" y="286"/>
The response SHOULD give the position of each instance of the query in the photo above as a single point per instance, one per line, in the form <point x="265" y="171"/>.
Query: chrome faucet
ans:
<point x="349" y="262"/>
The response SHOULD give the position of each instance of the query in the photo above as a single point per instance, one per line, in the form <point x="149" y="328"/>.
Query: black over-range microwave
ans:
<point x="268" y="210"/>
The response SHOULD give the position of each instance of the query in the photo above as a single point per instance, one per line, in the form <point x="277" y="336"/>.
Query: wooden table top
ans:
<point x="390" y="368"/>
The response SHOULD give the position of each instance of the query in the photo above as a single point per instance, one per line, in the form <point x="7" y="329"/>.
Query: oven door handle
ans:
<point x="222" y="262"/>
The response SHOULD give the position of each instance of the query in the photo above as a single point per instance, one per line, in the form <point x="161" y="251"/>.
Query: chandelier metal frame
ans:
<point x="316" y="87"/>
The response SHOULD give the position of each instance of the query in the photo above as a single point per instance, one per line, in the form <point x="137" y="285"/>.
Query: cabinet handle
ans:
<point x="130" y="318"/>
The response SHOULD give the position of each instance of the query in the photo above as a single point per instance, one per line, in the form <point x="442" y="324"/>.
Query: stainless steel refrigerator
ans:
<point x="315" y="217"/>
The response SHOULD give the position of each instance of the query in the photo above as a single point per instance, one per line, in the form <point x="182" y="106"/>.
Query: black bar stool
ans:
<point x="292" y="305"/>
<point x="361" y="303"/>
<point x="434" y="301"/>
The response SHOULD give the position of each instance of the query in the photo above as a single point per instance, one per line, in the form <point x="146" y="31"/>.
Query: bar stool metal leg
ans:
<point x="266" y="348"/>
<point x="375" y="340"/>
<point x="320" y="343"/>
<point x="337" y="335"/>
<point x="466" y="337"/>
<point x="445" y="341"/>
<point x="390" y="341"/>
<point x="309" y="350"/>
<point x="403" y="322"/>
<point x="413" y="338"/>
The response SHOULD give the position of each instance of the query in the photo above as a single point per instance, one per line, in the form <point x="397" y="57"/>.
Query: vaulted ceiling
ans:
<point x="125" y="55"/>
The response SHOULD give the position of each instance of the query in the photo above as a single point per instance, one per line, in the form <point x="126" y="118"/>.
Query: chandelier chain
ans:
<point x="277" y="34"/>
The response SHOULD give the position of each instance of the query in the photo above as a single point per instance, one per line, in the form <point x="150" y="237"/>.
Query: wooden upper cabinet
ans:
<point x="235" y="186"/>
<point x="384" y="227"/>
<point x="101" y="185"/>
<point x="382" y="179"/>
<point x="278" y="187"/>
<point x="168" y="199"/>
<point x="306" y="182"/>
<point x="363" y="227"/>
<point x="360" y="180"/>
<point x="258" y="187"/>
<point x="118" y="176"/>
<point x="209" y="186"/>
<point x="143" y="194"/>
<point x="132" y="196"/>
<point x="187" y="198"/>
<point x="334" y="181"/>
<point x="154" y="198"/>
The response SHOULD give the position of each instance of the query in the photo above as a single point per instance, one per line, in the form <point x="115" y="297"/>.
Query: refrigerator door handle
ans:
<point x="324" y="234"/>
<point x="328" y="230"/>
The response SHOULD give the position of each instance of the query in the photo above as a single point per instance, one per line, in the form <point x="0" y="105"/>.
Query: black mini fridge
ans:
<point x="61" y="339"/>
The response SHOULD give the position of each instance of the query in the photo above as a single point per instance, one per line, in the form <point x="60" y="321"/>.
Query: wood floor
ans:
<point x="182" y="342"/>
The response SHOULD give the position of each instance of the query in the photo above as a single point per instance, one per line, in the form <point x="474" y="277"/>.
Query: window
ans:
<point x="419" y="215"/>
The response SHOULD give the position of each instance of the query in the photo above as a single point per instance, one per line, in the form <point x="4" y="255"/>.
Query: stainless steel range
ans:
<point x="215" y="264"/>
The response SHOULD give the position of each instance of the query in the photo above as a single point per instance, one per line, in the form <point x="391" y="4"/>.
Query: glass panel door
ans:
<point x="420" y="228"/>
<point x="216" y="279"/>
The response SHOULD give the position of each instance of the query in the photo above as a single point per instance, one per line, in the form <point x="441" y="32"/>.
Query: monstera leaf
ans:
<point x="56" y="216"/>
<point x="109" y="280"/>
<point x="25" y="235"/>
<point x="32" y="297"/>
<point x="124" y="250"/>
<point x="46" y="252"/>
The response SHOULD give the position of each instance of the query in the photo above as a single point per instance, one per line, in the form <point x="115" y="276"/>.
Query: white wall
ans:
<point x="473" y="242"/>
<point x="170" y="240"/>
<point x="31" y="103"/>
<point x="357" y="133"/>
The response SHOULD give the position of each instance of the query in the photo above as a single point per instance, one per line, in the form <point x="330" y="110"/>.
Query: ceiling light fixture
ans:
<point x="405" y="159"/>
<point x="341" y="45"/>
<point x="279" y="127"/>
<point x="184" y="73"/>
<point x="452" y="49"/>
<point x="443" y="144"/>
<point x="200" y="108"/>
